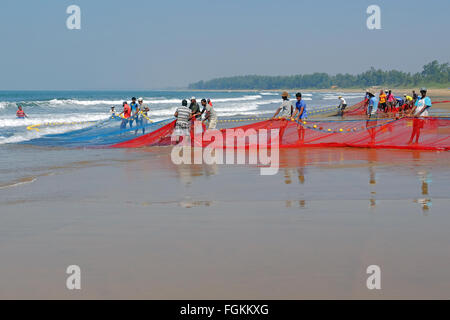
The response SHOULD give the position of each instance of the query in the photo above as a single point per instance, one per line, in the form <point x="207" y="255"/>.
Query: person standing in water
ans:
<point x="286" y="109"/>
<point x="134" y="112"/>
<point x="20" y="113"/>
<point x="211" y="115"/>
<point x="142" y="117"/>
<point x="126" y="115"/>
<point x="183" y="124"/>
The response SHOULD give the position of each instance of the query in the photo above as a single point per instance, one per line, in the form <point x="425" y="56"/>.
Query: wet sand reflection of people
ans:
<point x="372" y="129"/>
<point x="372" y="182"/>
<point x="425" y="179"/>
<point x="186" y="172"/>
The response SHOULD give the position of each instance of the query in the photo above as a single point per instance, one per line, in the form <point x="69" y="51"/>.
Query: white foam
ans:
<point x="4" y="104"/>
<point x="33" y="134"/>
<point x="149" y="100"/>
<point x="13" y="185"/>
<point x="55" y="119"/>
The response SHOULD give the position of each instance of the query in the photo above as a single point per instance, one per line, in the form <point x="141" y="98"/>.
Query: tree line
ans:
<point x="433" y="74"/>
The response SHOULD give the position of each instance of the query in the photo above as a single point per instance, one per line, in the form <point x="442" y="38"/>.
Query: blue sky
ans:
<point x="149" y="44"/>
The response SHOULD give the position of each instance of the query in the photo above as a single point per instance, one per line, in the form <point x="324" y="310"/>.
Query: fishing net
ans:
<point x="360" y="108"/>
<point x="431" y="133"/>
<point x="102" y="133"/>
<point x="404" y="133"/>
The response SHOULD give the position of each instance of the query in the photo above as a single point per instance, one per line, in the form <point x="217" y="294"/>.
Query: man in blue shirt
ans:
<point x="373" y="105"/>
<point x="422" y="104"/>
<point x="300" y="108"/>
<point x="134" y="111"/>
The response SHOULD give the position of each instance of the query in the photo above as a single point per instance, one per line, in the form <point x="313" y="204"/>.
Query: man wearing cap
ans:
<point x="420" y="110"/>
<point x="195" y="109"/>
<point x="210" y="114"/>
<point x="422" y="104"/>
<point x="142" y="117"/>
<point x="373" y="104"/>
<point x="286" y="109"/>
<point x="342" y="105"/>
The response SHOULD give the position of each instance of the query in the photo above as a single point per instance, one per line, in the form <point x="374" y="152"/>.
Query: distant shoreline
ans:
<point x="432" y="91"/>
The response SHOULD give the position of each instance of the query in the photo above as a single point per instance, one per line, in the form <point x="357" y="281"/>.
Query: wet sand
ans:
<point x="148" y="229"/>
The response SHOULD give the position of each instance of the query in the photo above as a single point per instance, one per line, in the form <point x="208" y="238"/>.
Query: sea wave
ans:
<point x="269" y="93"/>
<point x="5" y="104"/>
<point x="55" y="119"/>
<point x="33" y="134"/>
<point x="148" y="100"/>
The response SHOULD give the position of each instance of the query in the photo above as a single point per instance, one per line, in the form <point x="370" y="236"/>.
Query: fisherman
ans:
<point x="126" y="113"/>
<point x="407" y="98"/>
<point x="142" y="117"/>
<point x="373" y="104"/>
<point x="183" y="124"/>
<point x="399" y="101"/>
<point x="195" y="109"/>
<point x="422" y="104"/>
<point x="113" y="112"/>
<point x="391" y="102"/>
<point x="286" y="109"/>
<point x="342" y="105"/>
<point x="210" y="114"/>
<point x="409" y="102"/>
<point x="382" y="100"/>
<point x="20" y="113"/>
<point x="414" y="96"/>
<point x="300" y="109"/>
<point x="134" y="111"/>
<point x="420" y="110"/>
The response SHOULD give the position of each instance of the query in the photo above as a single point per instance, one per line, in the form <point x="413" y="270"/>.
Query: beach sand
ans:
<point x="145" y="228"/>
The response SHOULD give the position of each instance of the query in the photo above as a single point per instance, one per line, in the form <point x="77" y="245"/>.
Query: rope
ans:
<point x="49" y="124"/>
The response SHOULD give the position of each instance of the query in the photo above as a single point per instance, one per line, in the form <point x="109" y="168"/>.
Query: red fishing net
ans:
<point x="404" y="133"/>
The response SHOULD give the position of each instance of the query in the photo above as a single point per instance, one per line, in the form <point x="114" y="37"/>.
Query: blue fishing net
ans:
<point x="103" y="133"/>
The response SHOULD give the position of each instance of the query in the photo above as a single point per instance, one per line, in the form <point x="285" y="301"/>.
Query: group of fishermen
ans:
<point x="137" y="112"/>
<point x="387" y="103"/>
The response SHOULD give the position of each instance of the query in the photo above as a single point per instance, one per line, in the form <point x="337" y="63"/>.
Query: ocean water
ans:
<point x="23" y="163"/>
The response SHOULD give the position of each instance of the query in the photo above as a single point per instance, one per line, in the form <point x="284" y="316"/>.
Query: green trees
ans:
<point x="433" y="73"/>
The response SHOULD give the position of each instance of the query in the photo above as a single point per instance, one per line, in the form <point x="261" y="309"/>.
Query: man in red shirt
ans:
<point x="126" y="115"/>
<point x="20" y="113"/>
